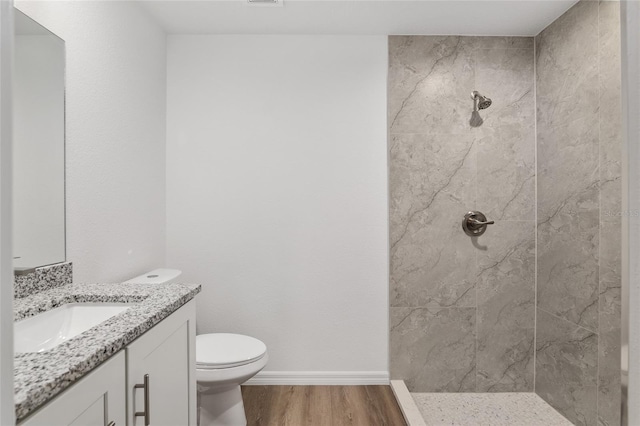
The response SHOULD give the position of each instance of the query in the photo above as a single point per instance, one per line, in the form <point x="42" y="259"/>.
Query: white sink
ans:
<point x="48" y="329"/>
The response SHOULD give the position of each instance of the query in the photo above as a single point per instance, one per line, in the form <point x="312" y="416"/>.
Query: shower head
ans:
<point x="480" y="101"/>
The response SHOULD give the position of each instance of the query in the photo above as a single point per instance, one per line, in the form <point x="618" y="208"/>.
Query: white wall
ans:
<point x="277" y="193"/>
<point x="115" y="110"/>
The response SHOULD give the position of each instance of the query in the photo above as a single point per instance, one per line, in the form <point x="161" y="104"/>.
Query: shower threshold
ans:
<point x="475" y="409"/>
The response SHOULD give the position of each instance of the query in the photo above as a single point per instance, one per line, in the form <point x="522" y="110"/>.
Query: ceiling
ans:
<point x="358" y="17"/>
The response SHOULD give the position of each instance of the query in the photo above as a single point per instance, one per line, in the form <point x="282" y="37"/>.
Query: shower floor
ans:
<point x="477" y="409"/>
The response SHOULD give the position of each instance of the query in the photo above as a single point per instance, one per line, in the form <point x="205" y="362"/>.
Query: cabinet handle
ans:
<point x="147" y="405"/>
<point x="112" y="423"/>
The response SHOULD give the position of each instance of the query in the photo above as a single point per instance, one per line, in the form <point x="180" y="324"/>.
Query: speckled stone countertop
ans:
<point x="40" y="376"/>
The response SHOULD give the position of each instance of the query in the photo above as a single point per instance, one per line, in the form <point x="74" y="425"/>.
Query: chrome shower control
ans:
<point x="475" y="223"/>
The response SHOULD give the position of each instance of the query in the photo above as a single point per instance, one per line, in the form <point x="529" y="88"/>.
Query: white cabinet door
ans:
<point x="98" y="399"/>
<point x="166" y="356"/>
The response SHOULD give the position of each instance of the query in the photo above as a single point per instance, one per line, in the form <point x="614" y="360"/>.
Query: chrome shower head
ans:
<point x="480" y="101"/>
<point x="484" y="103"/>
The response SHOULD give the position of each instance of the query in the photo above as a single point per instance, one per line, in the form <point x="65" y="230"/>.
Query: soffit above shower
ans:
<point x="358" y="17"/>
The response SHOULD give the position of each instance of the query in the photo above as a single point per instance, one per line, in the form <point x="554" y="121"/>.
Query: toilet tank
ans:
<point x="157" y="276"/>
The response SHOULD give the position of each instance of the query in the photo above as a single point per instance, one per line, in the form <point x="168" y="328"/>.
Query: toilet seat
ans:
<point x="226" y="350"/>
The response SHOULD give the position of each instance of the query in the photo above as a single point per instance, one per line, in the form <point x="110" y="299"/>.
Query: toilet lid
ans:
<point x="225" y="350"/>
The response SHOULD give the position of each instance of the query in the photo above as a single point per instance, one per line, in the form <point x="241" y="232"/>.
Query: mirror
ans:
<point x="38" y="146"/>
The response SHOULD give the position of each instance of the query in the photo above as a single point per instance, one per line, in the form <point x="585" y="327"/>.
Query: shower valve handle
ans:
<point x="478" y="223"/>
<point x="475" y="223"/>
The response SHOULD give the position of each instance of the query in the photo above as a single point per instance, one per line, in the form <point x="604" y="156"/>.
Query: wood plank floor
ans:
<point x="321" y="406"/>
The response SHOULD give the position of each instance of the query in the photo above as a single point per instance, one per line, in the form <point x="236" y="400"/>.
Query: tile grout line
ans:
<point x="599" y="218"/>
<point x="388" y="193"/>
<point x="475" y="206"/>
<point x="535" y="228"/>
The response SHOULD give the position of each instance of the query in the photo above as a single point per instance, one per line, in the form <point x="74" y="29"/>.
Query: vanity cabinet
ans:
<point x="165" y="355"/>
<point x="97" y="400"/>
<point x="115" y="391"/>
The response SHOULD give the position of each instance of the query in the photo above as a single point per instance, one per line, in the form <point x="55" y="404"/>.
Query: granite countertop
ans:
<point x="38" y="377"/>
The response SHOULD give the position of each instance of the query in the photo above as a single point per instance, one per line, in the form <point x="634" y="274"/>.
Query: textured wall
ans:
<point x="579" y="213"/>
<point x="462" y="309"/>
<point x="277" y="194"/>
<point x="115" y="135"/>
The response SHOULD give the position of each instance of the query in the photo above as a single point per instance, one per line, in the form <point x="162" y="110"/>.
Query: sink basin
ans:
<point x="48" y="329"/>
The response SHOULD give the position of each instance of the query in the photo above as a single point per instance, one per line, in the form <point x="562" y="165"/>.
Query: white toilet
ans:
<point x="223" y="362"/>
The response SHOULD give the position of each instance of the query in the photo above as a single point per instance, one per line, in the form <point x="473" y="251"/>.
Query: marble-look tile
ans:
<point x="567" y="69"/>
<point x="497" y="409"/>
<point x="432" y="186"/>
<point x="440" y="168"/>
<point x="433" y="349"/>
<point x="610" y="111"/>
<point x="506" y="308"/>
<point x="609" y="386"/>
<point x="578" y="209"/>
<point x="566" y="368"/>
<point x="430" y="79"/>
<point x="568" y="264"/>
<point x="567" y="111"/>
<point x="569" y="156"/>
<point x="568" y="153"/>
<point x="579" y="231"/>
<point x="497" y="42"/>
<point x="610" y="275"/>
<point x="609" y="390"/>
<point x="506" y="140"/>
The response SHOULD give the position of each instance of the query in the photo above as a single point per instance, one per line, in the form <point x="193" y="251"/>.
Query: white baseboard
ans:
<point x="320" y="378"/>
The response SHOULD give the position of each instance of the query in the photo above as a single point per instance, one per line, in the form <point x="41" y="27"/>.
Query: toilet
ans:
<point x="223" y="362"/>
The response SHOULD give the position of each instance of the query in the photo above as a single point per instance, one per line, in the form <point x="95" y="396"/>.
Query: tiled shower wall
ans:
<point x="579" y="213"/>
<point x="463" y="315"/>
<point x="462" y="309"/>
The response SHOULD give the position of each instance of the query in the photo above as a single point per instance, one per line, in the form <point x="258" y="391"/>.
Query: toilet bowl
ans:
<point x="223" y="362"/>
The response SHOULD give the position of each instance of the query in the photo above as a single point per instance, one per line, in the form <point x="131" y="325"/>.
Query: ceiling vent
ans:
<point x="268" y="3"/>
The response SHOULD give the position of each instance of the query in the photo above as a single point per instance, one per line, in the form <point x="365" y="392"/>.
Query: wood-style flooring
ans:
<point x="321" y="406"/>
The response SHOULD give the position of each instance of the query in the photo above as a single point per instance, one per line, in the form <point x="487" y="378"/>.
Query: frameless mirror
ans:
<point x="38" y="146"/>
